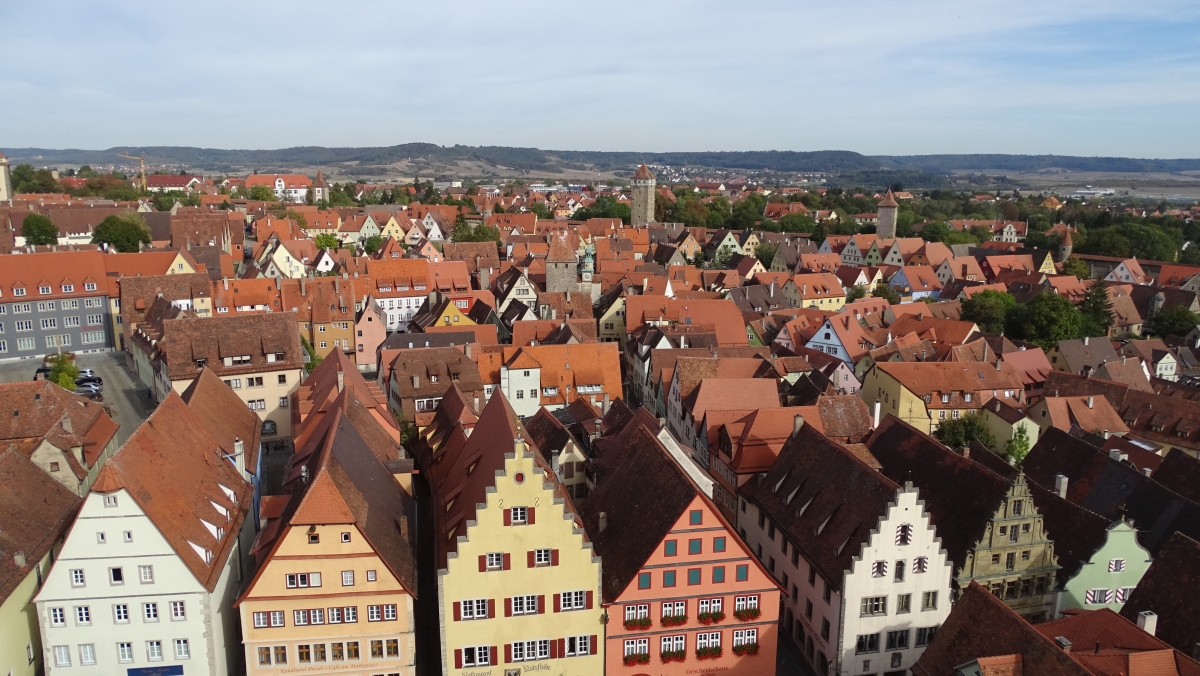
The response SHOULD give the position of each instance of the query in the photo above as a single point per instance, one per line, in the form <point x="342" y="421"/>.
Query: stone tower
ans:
<point x="6" y="185"/>
<point x="562" y="265"/>
<point x="1065" y="247"/>
<point x="643" y="196"/>
<point x="886" y="229"/>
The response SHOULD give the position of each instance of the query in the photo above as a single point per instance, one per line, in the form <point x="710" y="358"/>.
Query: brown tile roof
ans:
<point x="1179" y="472"/>
<point x="138" y="293"/>
<point x="41" y="409"/>
<point x="187" y="339"/>
<point x="234" y="293"/>
<point x="935" y="328"/>
<point x="1171" y="589"/>
<point x="1077" y="533"/>
<point x="225" y="416"/>
<point x="955" y="379"/>
<point x="981" y="626"/>
<point x="172" y="466"/>
<point x="1088" y="413"/>
<point x="449" y="365"/>
<point x="37" y="511"/>
<point x="1110" y="645"/>
<point x="816" y="473"/>
<point x="643" y="495"/>
<point x="960" y="496"/>
<point x="1081" y="357"/>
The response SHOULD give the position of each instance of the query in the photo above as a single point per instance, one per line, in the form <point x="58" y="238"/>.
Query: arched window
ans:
<point x="268" y="427"/>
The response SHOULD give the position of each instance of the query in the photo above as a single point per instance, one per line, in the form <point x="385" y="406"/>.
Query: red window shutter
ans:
<point x="495" y="657"/>
<point x="507" y="653"/>
<point x="562" y="647"/>
<point x="457" y="611"/>
<point x="592" y="644"/>
<point x="530" y="559"/>
<point x="553" y="649"/>
<point x="554" y="557"/>
<point x="541" y="604"/>
<point x="508" y="518"/>
<point x="491" y="608"/>
<point x="529" y="516"/>
<point x="507" y="561"/>
<point x="482" y="562"/>
<point x="508" y="607"/>
<point x="557" y="602"/>
<point x="458" y="659"/>
<point x="589" y="600"/>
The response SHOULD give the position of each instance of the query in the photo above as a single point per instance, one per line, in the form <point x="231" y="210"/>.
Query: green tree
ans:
<point x="262" y="193"/>
<point x="326" y="241"/>
<point x="124" y="233"/>
<point x="37" y="229"/>
<point x="765" y="253"/>
<point x="724" y="255"/>
<point x="1018" y="447"/>
<point x="477" y="233"/>
<point x="988" y="309"/>
<point x="855" y="293"/>
<point x="314" y="360"/>
<point x="1046" y="319"/>
<point x="964" y="430"/>
<point x="935" y="232"/>
<point x="1077" y="267"/>
<point x="1176" y="320"/>
<point x="1096" y="310"/>
<point x="295" y="216"/>
<point x="540" y="209"/>
<point x="605" y="206"/>
<point x="797" y="223"/>
<point x="887" y="293"/>
<point x="372" y="244"/>
<point x="26" y="179"/>
<point x="63" y="371"/>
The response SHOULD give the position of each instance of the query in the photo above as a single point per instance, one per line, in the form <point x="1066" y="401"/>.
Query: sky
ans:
<point x="887" y="77"/>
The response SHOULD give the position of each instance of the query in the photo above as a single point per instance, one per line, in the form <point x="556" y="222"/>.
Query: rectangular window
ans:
<point x="745" y="603"/>
<point x="925" y="635"/>
<point x="674" y="609"/>
<point x="280" y="654"/>
<point x="867" y="643"/>
<point x="897" y="640"/>
<point x="719" y="544"/>
<point x="708" y="639"/>
<point x="316" y="616"/>
<point x="374" y="614"/>
<point x="77" y="577"/>
<point x="518" y="515"/>
<point x="1116" y="565"/>
<point x="477" y="656"/>
<point x="146" y="574"/>
<point x="578" y="645"/>
<point x="903" y="603"/>
<point x="58" y="617"/>
<point x="494" y="561"/>
<point x="83" y="615"/>
<point x="347" y="578"/>
<point x="718" y="575"/>
<point x="70" y="321"/>
<point x="873" y="605"/>
<point x="920" y="564"/>
<point x="299" y="618"/>
<point x="929" y="600"/>
<point x="182" y="651"/>
<point x="636" y="611"/>
<point x="669" y="578"/>
<point x="573" y="600"/>
<point x="351" y="613"/>
<point x="94" y="320"/>
<point x="743" y="573"/>
<point x="543" y="557"/>
<point x="124" y="652"/>
<point x="87" y="653"/>
<point x="277" y="618"/>
<point x="525" y="604"/>
<point x="693" y="576"/>
<point x="639" y="646"/>
<point x="696" y="517"/>
<point x="154" y="651"/>
<point x="62" y="656"/>
<point x="671" y="548"/>
<point x="643" y="580"/>
<point x="260" y="620"/>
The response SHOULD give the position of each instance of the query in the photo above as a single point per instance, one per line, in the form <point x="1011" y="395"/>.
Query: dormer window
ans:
<point x="19" y="291"/>
<point x="44" y="290"/>
<point x="68" y="288"/>
<point x="945" y="398"/>
<point x="90" y="286"/>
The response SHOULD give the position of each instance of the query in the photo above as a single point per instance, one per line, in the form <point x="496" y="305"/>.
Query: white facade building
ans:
<point x="868" y="581"/>
<point x="152" y="563"/>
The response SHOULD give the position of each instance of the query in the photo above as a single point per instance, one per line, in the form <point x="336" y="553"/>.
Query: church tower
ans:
<point x="886" y="229"/>
<point x="1065" y="246"/>
<point x="643" y="197"/>
<point x="6" y="184"/>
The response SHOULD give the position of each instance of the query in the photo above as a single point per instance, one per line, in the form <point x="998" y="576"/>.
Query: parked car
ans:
<point x="86" y="373"/>
<point x="90" y="380"/>
<point x="89" y="387"/>
<point x="94" y="396"/>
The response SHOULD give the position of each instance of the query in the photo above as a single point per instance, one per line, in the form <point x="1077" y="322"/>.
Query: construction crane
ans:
<point x="142" y="161"/>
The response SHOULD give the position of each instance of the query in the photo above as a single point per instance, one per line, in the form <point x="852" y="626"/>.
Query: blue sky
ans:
<point x="879" y="77"/>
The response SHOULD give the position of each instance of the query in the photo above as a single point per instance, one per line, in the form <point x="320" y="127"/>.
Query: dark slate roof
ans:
<point x="1059" y="384"/>
<point x="805" y="495"/>
<point x="1171" y="588"/>
<point x="1082" y="357"/>
<point x="547" y="433"/>
<point x="1180" y="472"/>
<point x="1111" y="488"/>
<point x="961" y="496"/>
<point x="643" y="496"/>
<point x="982" y="626"/>
<point x="1077" y="533"/>
<point x="404" y="341"/>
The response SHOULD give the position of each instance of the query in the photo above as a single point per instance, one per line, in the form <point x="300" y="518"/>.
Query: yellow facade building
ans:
<point x="517" y="580"/>
<point x="336" y="578"/>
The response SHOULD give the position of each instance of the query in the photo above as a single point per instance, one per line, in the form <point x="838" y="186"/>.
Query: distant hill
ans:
<point x="499" y="159"/>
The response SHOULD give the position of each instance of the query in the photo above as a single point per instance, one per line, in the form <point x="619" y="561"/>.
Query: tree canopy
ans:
<point x="1176" y="320"/>
<point x="605" y="206"/>
<point x="477" y="233"/>
<point x="960" y="432"/>
<point x="1045" y="320"/>
<point x="124" y="233"/>
<point x="988" y="309"/>
<point x="37" y="229"/>
<point x="326" y="241"/>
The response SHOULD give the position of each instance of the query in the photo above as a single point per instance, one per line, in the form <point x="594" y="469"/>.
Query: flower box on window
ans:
<point x="637" y="658"/>
<point x="674" y="620"/>
<point x="711" y="653"/>
<point x="641" y="623"/>
<point x="674" y="656"/>
<point x="711" y="618"/>
<point x="745" y="649"/>
<point x="747" y="614"/>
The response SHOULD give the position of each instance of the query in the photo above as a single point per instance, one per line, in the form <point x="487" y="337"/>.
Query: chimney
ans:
<point x="337" y="285"/>
<point x="404" y="528"/>
<point x="797" y="423"/>
<point x="19" y="560"/>
<point x="876" y="425"/>
<point x="1090" y="401"/>
<point x="603" y="521"/>
<point x="1122" y="359"/>
<point x="604" y="405"/>
<point x="341" y="381"/>
<point x="1114" y="454"/>
<point x="1085" y="340"/>
<point x="568" y="295"/>
<point x="1063" y="643"/>
<point x="1060" y="485"/>
<point x="416" y="380"/>
<point x="467" y="350"/>
<point x="303" y="286"/>
<point x="1147" y="471"/>
<point x="226" y="280"/>
<point x="965" y="451"/>
<point x="1147" y="621"/>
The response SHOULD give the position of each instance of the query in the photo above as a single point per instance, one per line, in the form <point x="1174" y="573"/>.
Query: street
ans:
<point x="124" y="395"/>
